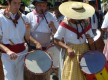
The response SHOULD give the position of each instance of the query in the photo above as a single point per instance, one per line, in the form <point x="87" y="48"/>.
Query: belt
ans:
<point x="17" y="48"/>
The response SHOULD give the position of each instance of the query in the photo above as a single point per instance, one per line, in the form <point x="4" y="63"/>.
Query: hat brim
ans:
<point x="66" y="9"/>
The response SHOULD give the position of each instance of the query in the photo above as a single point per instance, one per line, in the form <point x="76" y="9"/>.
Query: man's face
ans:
<point x="42" y="6"/>
<point x="14" y="6"/>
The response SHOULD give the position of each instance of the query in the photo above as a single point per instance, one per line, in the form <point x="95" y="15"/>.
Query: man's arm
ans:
<point x="30" y="39"/>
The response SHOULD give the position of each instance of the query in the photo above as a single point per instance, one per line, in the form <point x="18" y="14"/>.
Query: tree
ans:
<point x="2" y="1"/>
<point x="27" y="2"/>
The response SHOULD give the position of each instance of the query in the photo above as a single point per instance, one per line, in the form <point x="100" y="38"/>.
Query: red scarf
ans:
<point x="17" y="16"/>
<point x="63" y="24"/>
<point x="38" y="16"/>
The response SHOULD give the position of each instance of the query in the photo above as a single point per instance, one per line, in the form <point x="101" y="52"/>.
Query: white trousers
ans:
<point x="13" y="69"/>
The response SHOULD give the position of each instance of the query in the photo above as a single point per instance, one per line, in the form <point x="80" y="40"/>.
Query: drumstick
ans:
<point x="11" y="42"/>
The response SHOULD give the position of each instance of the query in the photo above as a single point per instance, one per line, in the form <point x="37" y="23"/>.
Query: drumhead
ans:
<point x="54" y="52"/>
<point x="92" y="62"/>
<point x="38" y="62"/>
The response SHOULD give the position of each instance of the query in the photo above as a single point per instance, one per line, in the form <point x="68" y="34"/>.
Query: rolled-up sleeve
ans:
<point x="60" y="33"/>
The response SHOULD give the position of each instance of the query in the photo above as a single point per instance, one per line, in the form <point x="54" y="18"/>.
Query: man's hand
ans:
<point x="13" y="55"/>
<point x="70" y="52"/>
<point x="38" y="46"/>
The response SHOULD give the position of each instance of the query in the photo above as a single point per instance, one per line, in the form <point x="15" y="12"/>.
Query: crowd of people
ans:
<point x="71" y="26"/>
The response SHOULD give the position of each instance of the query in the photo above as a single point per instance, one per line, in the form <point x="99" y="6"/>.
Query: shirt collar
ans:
<point x="41" y="15"/>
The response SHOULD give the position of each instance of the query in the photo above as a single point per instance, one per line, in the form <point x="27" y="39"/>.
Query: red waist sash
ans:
<point x="17" y="48"/>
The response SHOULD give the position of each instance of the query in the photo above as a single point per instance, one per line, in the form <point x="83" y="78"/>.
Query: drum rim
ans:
<point x="87" y="52"/>
<point x="38" y="73"/>
<point x="98" y="33"/>
<point x="52" y="44"/>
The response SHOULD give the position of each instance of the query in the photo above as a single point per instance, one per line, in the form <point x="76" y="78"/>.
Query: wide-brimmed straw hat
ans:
<point x="76" y="10"/>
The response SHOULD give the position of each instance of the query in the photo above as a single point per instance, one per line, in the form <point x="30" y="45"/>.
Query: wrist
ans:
<point x="9" y="52"/>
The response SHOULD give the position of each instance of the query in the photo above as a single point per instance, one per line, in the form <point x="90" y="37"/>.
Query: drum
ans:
<point x="99" y="43"/>
<point x="94" y="66"/>
<point x="1" y="70"/>
<point x="37" y="63"/>
<point x="54" y="52"/>
<point x="101" y="75"/>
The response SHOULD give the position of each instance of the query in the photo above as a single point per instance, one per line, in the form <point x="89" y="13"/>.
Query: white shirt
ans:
<point x="94" y="24"/>
<point x="9" y="31"/>
<point x="42" y="26"/>
<point x="105" y="22"/>
<point x="71" y="37"/>
<point x="41" y="31"/>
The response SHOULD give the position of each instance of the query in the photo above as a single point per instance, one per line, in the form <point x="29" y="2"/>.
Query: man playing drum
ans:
<point x="75" y="29"/>
<point x="13" y="29"/>
<point x="42" y="22"/>
<point x="43" y="26"/>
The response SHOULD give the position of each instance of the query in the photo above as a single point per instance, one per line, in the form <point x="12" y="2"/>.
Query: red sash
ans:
<point x="17" y="48"/>
<point x="63" y="24"/>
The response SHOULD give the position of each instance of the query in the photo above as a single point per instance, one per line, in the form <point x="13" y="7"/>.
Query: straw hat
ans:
<point x="76" y="10"/>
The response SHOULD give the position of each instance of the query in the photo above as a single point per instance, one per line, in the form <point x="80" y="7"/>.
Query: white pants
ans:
<point x="13" y="69"/>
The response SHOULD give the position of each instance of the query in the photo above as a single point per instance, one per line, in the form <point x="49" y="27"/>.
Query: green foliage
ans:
<point x="2" y="1"/>
<point x="27" y="2"/>
<point x="104" y="0"/>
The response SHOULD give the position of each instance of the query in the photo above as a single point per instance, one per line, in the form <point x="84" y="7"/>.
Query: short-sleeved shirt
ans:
<point x="41" y="31"/>
<point x="8" y="31"/>
<point x="71" y="37"/>
<point x="42" y="26"/>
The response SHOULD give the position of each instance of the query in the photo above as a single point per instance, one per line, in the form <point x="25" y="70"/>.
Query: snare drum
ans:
<point x="54" y="52"/>
<point x="93" y="65"/>
<point x="37" y="63"/>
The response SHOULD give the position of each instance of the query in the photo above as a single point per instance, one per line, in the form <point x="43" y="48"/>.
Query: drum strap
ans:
<point x="63" y="24"/>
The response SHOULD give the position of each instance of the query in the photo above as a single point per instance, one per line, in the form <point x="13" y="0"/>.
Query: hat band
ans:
<point x="80" y="9"/>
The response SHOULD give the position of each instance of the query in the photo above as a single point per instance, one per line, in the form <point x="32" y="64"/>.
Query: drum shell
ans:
<point x="31" y="76"/>
<point x="98" y="43"/>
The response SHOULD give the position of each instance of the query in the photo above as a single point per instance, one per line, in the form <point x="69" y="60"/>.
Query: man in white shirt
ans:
<point x="42" y="22"/>
<point x="13" y="28"/>
<point x="43" y="26"/>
